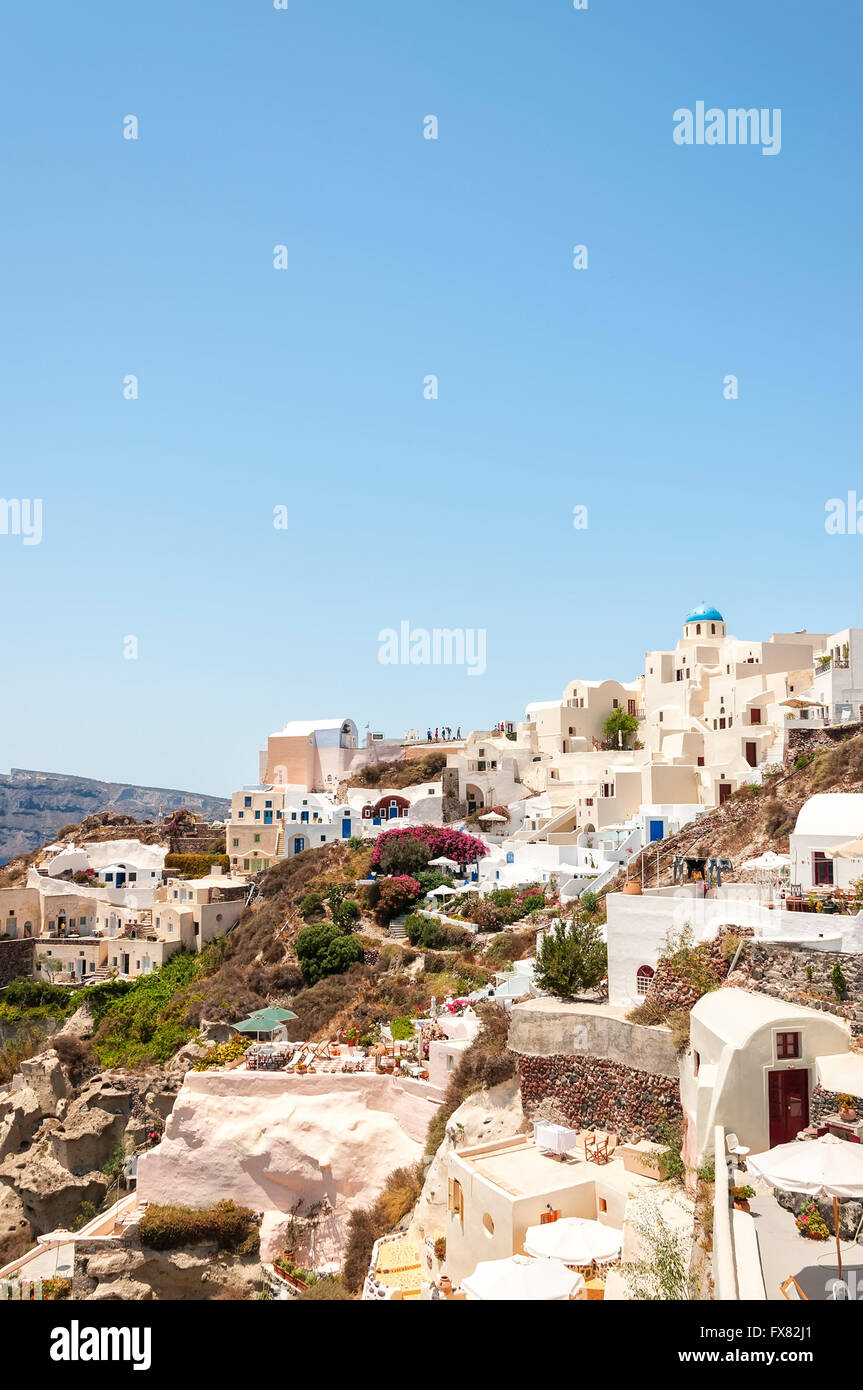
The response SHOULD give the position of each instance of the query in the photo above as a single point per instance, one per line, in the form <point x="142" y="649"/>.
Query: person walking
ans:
<point x="428" y="735"/>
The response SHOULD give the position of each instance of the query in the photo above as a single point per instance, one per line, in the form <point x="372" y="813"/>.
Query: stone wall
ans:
<point x="804" y="740"/>
<point x="597" y="1068"/>
<point x="593" y="1092"/>
<point x="16" y="958"/>
<point x="801" y="975"/>
<point x="823" y="1102"/>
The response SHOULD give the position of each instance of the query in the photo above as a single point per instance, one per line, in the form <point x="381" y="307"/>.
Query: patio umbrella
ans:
<point x="521" y="1279"/>
<point x="573" y="1240"/>
<point x="493" y="815"/>
<point x="444" y="859"/>
<point x="825" y="1167"/>
<point x="852" y="849"/>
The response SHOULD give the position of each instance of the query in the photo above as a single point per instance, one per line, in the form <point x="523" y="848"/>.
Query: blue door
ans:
<point x="268" y="818"/>
<point x="346" y="828"/>
<point x="299" y="844"/>
<point x="656" y="830"/>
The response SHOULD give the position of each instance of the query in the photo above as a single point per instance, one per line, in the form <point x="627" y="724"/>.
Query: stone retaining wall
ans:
<point x="593" y="1092"/>
<point x="801" y="975"/>
<point x="804" y="740"/>
<point x="16" y="958"/>
<point x="599" y="1070"/>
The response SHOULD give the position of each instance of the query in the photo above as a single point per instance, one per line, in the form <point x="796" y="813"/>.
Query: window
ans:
<point x="701" y="761"/>
<point x="257" y="839"/>
<point x="822" y="868"/>
<point x="456" y="1199"/>
<point x="696" y="1063"/>
<point x="488" y="1223"/>
<point x="236" y="844"/>
<point x="787" y="1046"/>
<point x="247" y="801"/>
<point x="643" y="978"/>
<point x="698" y="629"/>
<point x="603" y="1205"/>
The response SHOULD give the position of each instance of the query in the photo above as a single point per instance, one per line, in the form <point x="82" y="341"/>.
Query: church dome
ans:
<point x="702" y="612"/>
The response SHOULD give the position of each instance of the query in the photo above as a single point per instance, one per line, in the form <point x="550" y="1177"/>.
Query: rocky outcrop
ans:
<point x="16" y="1234"/>
<point x="55" y="1138"/>
<point x="270" y="1142"/>
<point x="50" y="1195"/>
<point x="20" y="1117"/>
<point x="128" y="1271"/>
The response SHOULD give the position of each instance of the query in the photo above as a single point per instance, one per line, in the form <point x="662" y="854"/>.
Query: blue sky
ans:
<point x="407" y="256"/>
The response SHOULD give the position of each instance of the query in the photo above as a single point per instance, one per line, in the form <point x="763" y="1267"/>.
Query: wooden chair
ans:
<point x="596" y="1151"/>
<point x="783" y="1288"/>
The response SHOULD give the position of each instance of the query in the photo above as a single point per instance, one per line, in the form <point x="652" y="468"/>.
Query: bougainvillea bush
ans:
<point x="396" y="896"/>
<point x="410" y="848"/>
<point x="504" y="906"/>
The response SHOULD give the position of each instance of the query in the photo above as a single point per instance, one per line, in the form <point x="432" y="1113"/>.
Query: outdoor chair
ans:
<point x="735" y="1149"/>
<point x="585" y="1138"/>
<point x="783" y="1288"/>
<point x="596" y="1149"/>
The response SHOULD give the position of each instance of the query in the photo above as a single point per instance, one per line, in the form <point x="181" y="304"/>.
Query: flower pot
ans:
<point x="632" y="885"/>
<point x="847" y="1115"/>
<point x="445" y="1285"/>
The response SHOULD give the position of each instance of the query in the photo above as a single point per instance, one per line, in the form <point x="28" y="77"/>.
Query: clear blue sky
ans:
<point x="408" y="257"/>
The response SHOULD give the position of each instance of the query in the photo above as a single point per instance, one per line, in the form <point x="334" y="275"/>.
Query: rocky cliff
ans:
<point x="35" y="805"/>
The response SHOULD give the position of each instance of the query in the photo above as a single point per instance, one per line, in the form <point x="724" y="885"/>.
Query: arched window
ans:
<point x="643" y="978"/>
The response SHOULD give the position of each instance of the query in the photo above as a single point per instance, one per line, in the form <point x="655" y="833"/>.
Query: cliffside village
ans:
<point x="541" y="1186"/>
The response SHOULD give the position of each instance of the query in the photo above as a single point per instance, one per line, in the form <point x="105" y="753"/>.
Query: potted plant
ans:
<point x="440" y="1247"/>
<point x="740" y="1197"/>
<point x="810" y="1223"/>
<point x="847" y="1107"/>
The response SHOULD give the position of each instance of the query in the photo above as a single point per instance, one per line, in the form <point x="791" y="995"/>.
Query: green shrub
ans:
<point x="196" y="865"/>
<point x="325" y="950"/>
<point x="170" y="1227"/>
<point x="328" y="1288"/>
<point x="571" y="957"/>
<point x="838" y="981"/>
<point x="431" y="934"/>
<point x="312" y="905"/>
<point x="401" y="1029"/>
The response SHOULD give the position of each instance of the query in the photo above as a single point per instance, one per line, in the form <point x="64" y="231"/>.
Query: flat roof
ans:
<point x="524" y="1171"/>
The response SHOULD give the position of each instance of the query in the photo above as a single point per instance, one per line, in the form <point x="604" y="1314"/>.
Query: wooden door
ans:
<point x="788" y="1099"/>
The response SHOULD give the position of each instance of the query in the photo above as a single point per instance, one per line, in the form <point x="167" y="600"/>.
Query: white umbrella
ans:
<point x="852" y="849"/>
<point x="573" y="1240"/>
<point x="825" y="1167"/>
<point x="521" y="1279"/>
<point x="441" y="892"/>
<point x="493" y="815"/>
<point x="445" y="859"/>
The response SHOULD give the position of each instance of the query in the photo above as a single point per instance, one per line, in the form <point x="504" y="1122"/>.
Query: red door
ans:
<point x="724" y="792"/>
<point x="788" y="1096"/>
<point x="751" y="755"/>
